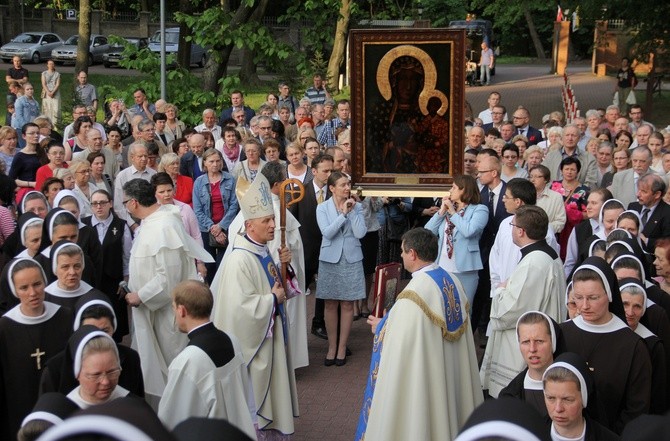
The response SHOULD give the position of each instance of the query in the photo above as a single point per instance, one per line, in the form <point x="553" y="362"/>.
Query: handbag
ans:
<point x="214" y="244"/>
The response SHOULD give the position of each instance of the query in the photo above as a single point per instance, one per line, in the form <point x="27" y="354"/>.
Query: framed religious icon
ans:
<point x="407" y="96"/>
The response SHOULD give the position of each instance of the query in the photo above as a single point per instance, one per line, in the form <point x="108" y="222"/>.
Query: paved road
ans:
<point x="330" y="397"/>
<point x="532" y="86"/>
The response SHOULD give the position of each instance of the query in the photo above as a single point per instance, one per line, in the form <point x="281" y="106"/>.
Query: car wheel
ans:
<point x="89" y="60"/>
<point x="202" y="61"/>
<point x="58" y="63"/>
<point x="7" y="60"/>
<point x="107" y="65"/>
<point x="35" y="58"/>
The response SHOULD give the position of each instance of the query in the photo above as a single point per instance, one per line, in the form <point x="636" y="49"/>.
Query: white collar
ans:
<point x="55" y="290"/>
<point x="425" y="269"/>
<point x="105" y="222"/>
<point x="530" y="384"/>
<point x="556" y="437"/>
<point x="643" y="331"/>
<point x="15" y="314"/>
<point x="613" y="325"/>
<point x="317" y="188"/>
<point x="47" y="252"/>
<point x="257" y="248"/>
<point x="497" y="189"/>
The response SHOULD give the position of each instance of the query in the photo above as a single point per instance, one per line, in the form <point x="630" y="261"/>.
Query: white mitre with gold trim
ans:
<point x="255" y="199"/>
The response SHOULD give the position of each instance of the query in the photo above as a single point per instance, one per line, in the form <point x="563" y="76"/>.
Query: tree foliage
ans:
<point x="222" y="28"/>
<point x="511" y="26"/>
<point x="184" y="88"/>
<point x="647" y="22"/>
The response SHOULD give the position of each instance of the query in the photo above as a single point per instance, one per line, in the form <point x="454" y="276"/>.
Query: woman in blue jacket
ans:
<point x="341" y="279"/>
<point x="215" y="206"/>
<point x="459" y="225"/>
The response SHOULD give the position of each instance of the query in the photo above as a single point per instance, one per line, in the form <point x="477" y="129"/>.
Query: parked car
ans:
<point x="31" y="46"/>
<point x="115" y="53"/>
<point x="67" y="53"/>
<point x="198" y="53"/>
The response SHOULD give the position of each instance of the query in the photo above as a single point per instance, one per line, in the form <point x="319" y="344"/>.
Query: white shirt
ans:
<point x="573" y="248"/>
<point x="215" y="131"/>
<point x="496" y="196"/>
<point x="505" y="255"/>
<point x="317" y="189"/>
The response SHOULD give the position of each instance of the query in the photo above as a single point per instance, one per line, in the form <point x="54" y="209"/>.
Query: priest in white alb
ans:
<point x="249" y="303"/>
<point x="296" y="307"/>
<point x="208" y="378"/>
<point x="423" y="382"/>
<point x="537" y="284"/>
<point x="163" y="255"/>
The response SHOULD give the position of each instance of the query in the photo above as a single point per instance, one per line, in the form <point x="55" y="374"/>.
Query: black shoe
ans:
<point x="348" y="353"/>
<point x="329" y="361"/>
<point x="340" y="362"/>
<point x="320" y="332"/>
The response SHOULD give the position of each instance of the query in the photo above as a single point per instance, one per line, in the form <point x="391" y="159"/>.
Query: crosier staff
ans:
<point x="291" y="192"/>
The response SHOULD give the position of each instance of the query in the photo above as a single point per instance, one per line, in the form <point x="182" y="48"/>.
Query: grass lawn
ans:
<point x="254" y="96"/>
<point x="67" y="90"/>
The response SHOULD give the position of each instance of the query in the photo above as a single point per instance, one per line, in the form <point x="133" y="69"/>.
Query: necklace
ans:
<point x="38" y="353"/>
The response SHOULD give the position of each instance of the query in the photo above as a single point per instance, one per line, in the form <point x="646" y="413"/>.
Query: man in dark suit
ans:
<point x="488" y="167"/>
<point x="497" y="116"/>
<point x="654" y="211"/>
<point x="521" y="120"/>
<point x="191" y="163"/>
<point x="237" y="101"/>
<point x="316" y="192"/>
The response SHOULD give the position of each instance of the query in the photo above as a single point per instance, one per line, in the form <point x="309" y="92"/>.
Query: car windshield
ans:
<point x="74" y="40"/>
<point x="27" y="38"/>
<point x="170" y="38"/>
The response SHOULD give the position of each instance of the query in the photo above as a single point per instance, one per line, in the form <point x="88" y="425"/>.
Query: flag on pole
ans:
<point x="559" y="14"/>
<point x="575" y="19"/>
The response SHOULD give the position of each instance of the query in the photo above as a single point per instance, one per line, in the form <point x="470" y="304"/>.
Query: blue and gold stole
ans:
<point x="273" y="276"/>
<point x="378" y="342"/>
<point x="451" y="330"/>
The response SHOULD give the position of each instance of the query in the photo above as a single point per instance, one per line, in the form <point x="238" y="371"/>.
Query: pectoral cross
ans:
<point x="114" y="230"/>
<point x="38" y="358"/>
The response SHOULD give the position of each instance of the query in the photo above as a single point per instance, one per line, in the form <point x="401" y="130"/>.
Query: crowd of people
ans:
<point x="551" y="250"/>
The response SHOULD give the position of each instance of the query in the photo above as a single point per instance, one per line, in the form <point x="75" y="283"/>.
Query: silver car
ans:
<point x="198" y="53"/>
<point x="97" y="47"/>
<point x="31" y="46"/>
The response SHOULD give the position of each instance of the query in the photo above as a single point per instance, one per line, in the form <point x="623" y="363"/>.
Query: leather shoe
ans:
<point x="320" y="332"/>
<point x="340" y="361"/>
<point x="329" y="361"/>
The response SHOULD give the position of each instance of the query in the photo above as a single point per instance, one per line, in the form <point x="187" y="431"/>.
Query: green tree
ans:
<point x="187" y="95"/>
<point x="513" y="19"/>
<point x="224" y="27"/>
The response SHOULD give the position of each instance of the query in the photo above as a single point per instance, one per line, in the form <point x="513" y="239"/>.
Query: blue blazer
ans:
<point x="469" y="229"/>
<point x="341" y="233"/>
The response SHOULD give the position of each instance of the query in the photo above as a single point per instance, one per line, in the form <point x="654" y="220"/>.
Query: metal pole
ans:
<point x="163" y="67"/>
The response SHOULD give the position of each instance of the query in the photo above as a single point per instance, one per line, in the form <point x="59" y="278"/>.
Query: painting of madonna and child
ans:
<point x="408" y="103"/>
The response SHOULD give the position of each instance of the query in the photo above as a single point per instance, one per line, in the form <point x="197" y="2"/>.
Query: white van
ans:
<point x="198" y="54"/>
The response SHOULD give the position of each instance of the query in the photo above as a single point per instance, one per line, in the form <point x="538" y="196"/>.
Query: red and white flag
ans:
<point x="559" y="14"/>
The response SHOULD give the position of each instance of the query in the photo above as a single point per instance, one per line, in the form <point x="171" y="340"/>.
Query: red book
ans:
<point x="387" y="281"/>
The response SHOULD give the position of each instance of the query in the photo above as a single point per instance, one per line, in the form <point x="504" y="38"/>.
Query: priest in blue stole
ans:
<point x="424" y="380"/>
<point x="249" y="303"/>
